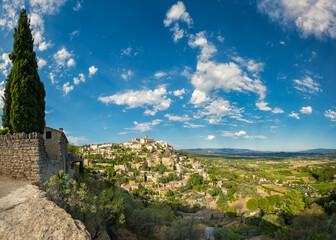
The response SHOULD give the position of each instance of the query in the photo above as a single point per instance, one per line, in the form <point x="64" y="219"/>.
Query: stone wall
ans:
<point x="23" y="156"/>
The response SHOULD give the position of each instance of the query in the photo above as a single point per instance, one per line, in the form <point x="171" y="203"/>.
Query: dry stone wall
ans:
<point x="23" y="156"/>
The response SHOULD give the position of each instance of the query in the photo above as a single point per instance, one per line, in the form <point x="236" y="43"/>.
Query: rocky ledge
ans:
<point x="25" y="213"/>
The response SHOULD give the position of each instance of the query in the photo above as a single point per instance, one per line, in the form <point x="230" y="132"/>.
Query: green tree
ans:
<point x="8" y="102"/>
<point x="293" y="202"/>
<point x="252" y="204"/>
<point x="184" y="229"/>
<point x="24" y="94"/>
<point x="263" y="203"/>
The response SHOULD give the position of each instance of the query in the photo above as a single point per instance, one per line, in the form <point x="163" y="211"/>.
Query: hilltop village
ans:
<point x="145" y="164"/>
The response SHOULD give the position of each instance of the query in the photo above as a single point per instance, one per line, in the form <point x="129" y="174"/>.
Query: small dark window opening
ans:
<point x="48" y="135"/>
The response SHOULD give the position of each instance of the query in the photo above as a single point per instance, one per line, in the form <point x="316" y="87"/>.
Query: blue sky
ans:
<point x="242" y="74"/>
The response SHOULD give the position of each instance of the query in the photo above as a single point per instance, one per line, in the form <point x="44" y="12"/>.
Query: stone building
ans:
<point x="56" y="143"/>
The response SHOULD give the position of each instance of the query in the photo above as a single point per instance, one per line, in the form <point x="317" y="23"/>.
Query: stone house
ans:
<point x="56" y="144"/>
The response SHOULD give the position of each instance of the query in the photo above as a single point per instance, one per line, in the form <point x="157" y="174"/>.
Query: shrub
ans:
<point x="252" y="204"/>
<point x="4" y="131"/>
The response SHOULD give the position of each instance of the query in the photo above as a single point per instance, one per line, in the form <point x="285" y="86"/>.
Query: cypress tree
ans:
<point x="26" y="91"/>
<point x="8" y="101"/>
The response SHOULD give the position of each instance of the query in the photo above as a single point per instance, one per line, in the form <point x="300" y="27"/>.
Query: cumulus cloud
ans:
<point x="92" y="71"/>
<point x="294" y="115"/>
<point x="233" y="134"/>
<point x="175" y="14"/>
<point x="141" y="98"/>
<point x="71" y="62"/>
<point x="307" y="85"/>
<point x="226" y="76"/>
<point x="311" y="17"/>
<point x="5" y="64"/>
<point x="263" y="107"/>
<point x="52" y="78"/>
<point x="175" y="118"/>
<point x="179" y="93"/>
<point x="67" y="88"/>
<point x="217" y="109"/>
<point x="306" y="110"/>
<point x="78" y="141"/>
<point x="210" y="137"/>
<point x="144" y="127"/>
<point x="47" y="7"/>
<point x="198" y="98"/>
<point x="250" y="64"/>
<point x="80" y="78"/>
<point x="41" y="63"/>
<point x="160" y="74"/>
<point x="10" y="16"/>
<point x="62" y="57"/>
<point x="2" y="93"/>
<point x="330" y="114"/>
<point x="126" y="75"/>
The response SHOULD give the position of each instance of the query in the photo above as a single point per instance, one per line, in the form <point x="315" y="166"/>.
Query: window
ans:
<point x="48" y="135"/>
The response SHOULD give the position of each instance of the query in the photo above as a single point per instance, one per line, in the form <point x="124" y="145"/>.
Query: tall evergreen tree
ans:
<point x="24" y="91"/>
<point x="8" y="101"/>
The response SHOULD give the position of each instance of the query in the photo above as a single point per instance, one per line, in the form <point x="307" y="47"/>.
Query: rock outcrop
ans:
<point x="25" y="213"/>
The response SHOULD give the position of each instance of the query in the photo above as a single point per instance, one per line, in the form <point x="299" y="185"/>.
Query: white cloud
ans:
<point x="255" y="137"/>
<point x="263" y="106"/>
<point x="175" y="118"/>
<point x="61" y="56"/>
<point x="306" y="110"/>
<point x="129" y="52"/>
<point x="78" y="141"/>
<point x="44" y="45"/>
<point x="92" y="71"/>
<point x="330" y="114"/>
<point x="198" y="98"/>
<point x="191" y="125"/>
<point x="77" y="7"/>
<point x="294" y="115"/>
<point x="250" y="64"/>
<point x="126" y="75"/>
<point x="160" y="74"/>
<point x="226" y="76"/>
<point x="67" y="88"/>
<point x="2" y="94"/>
<point x="179" y="93"/>
<point x="141" y="98"/>
<point x="10" y="16"/>
<point x="5" y="64"/>
<point x="307" y="85"/>
<point x="71" y="62"/>
<point x="207" y="48"/>
<point x="52" y="78"/>
<point x="311" y="17"/>
<point x="233" y="134"/>
<point x="74" y="34"/>
<point x="47" y="7"/>
<point x="241" y="134"/>
<point x="220" y="39"/>
<point x="144" y="127"/>
<point x="80" y="79"/>
<point x="177" y="13"/>
<point x="41" y="63"/>
<point x="217" y="109"/>
<point x="210" y="137"/>
<point x="277" y="110"/>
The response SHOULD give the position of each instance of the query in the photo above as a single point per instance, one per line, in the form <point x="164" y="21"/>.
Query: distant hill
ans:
<point x="218" y="150"/>
<point x="238" y="151"/>
<point x="319" y="150"/>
